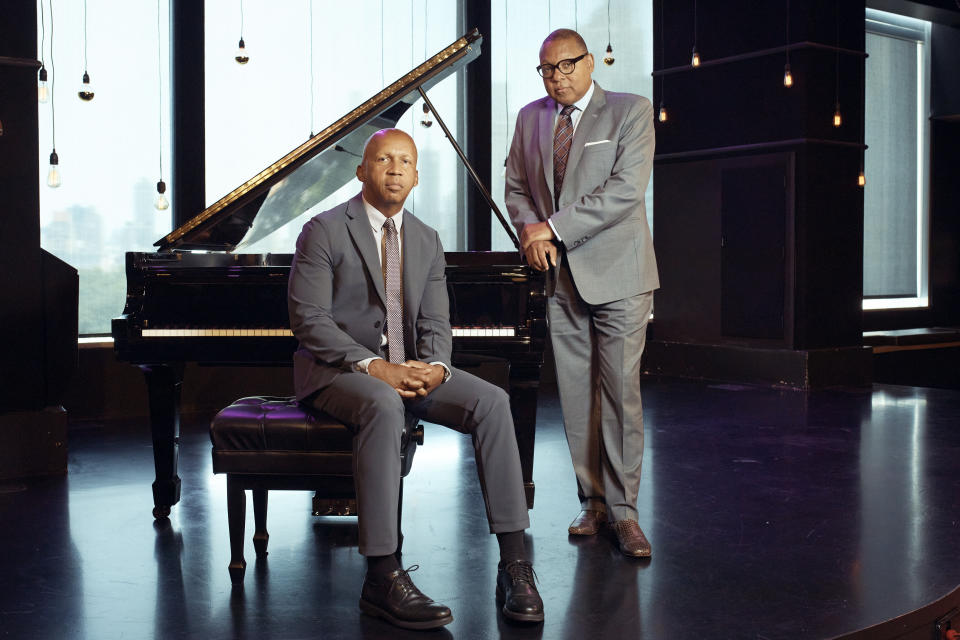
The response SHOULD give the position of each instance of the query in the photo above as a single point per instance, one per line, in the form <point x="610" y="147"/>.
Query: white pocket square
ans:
<point x="590" y="144"/>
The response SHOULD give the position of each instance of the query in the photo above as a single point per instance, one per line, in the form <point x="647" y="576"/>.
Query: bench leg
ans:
<point x="236" y="517"/>
<point x="260" y="535"/>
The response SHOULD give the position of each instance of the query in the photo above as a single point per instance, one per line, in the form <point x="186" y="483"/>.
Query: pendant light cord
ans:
<point x="506" y="81"/>
<point x="836" y="67"/>
<point x="311" y="70"/>
<point x="53" y="82"/>
<point x="381" y="45"/>
<point x="788" y="32"/>
<point x="608" y="23"/>
<point x="663" y="60"/>
<point x="694" y="24"/>
<point x="159" y="95"/>
<point x="84" y="35"/>
<point x="43" y="34"/>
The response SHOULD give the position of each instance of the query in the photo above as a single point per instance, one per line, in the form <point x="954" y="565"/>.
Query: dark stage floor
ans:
<point x="772" y="514"/>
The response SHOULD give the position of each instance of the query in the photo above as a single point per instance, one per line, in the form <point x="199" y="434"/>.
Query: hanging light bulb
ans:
<point x="85" y="92"/>
<point x="609" y="59"/>
<point x="861" y="179"/>
<point x="695" y="58"/>
<point x="663" y="113"/>
<point x="160" y="202"/>
<point x="426" y="123"/>
<point x="242" y="57"/>
<point x="43" y="92"/>
<point x="787" y="76"/>
<point x="53" y="174"/>
<point x="837" y="119"/>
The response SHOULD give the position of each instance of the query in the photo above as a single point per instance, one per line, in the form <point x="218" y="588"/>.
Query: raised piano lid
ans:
<point x="315" y="169"/>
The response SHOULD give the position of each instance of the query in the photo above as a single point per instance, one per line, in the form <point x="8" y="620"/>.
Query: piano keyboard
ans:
<point x="458" y="332"/>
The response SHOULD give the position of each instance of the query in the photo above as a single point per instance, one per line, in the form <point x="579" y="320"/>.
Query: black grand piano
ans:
<point x="197" y="299"/>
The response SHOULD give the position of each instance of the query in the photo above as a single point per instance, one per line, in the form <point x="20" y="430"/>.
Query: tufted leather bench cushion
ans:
<point x="270" y="435"/>
<point x="267" y="435"/>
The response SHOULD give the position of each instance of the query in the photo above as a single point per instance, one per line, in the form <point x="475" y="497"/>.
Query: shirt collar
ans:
<point x="582" y="103"/>
<point x="377" y="219"/>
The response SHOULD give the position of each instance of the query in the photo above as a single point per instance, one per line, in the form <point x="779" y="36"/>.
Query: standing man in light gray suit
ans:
<point x="576" y="175"/>
<point x="368" y="303"/>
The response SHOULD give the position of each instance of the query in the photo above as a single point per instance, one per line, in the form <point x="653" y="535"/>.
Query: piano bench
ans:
<point x="265" y="443"/>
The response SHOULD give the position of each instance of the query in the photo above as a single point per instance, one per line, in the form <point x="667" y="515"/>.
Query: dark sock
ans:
<point x="511" y="547"/>
<point x="379" y="566"/>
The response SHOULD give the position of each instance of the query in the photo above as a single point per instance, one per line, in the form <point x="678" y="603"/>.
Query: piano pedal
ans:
<point x="334" y="506"/>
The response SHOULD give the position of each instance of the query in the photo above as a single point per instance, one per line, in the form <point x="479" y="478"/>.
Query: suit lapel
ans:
<point x="415" y="268"/>
<point x="413" y="265"/>
<point x="587" y="120"/>
<point x="359" y="227"/>
<point x="545" y="131"/>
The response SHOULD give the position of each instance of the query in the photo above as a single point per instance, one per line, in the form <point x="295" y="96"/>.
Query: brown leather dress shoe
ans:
<point x="631" y="538"/>
<point x="397" y="600"/>
<point x="587" y="523"/>
<point x="517" y="594"/>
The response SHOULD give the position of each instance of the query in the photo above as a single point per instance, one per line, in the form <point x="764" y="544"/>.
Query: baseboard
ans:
<point x="801" y="369"/>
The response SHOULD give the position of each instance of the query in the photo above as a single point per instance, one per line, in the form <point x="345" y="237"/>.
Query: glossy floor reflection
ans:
<point x="772" y="514"/>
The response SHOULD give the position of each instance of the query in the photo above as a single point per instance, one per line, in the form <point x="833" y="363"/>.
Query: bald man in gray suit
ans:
<point x="368" y="302"/>
<point x="577" y="171"/>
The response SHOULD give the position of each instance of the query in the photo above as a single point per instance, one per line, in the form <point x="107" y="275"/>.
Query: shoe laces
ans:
<point x="403" y="579"/>
<point x="521" y="571"/>
<point x="404" y="574"/>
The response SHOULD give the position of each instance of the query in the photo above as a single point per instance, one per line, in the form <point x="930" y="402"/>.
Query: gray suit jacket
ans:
<point x="602" y="218"/>
<point x="337" y="302"/>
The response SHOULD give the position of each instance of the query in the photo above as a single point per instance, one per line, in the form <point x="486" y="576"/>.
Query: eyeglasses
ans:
<point x="566" y="66"/>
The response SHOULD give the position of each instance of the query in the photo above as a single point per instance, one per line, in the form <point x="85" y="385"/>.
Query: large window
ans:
<point x="896" y="131"/>
<point x="257" y="112"/>
<point x="520" y="28"/>
<point x="109" y="147"/>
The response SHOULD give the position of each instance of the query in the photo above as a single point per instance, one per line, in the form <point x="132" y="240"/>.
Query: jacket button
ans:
<point x="376" y="325"/>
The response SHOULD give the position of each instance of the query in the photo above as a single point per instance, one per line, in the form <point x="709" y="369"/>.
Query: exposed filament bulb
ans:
<point x="242" y="57"/>
<point x="609" y="59"/>
<point x="426" y="122"/>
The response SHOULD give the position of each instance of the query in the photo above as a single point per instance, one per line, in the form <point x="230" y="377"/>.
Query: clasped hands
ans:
<point x="411" y="379"/>
<point x="537" y="241"/>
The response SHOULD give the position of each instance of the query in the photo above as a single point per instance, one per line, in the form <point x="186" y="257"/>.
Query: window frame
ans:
<point x="918" y="31"/>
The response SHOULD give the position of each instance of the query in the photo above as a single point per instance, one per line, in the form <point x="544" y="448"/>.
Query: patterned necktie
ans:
<point x="561" y="148"/>
<point x="394" y="290"/>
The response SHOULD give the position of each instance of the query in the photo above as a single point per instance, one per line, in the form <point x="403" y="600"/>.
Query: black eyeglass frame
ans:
<point x="542" y="69"/>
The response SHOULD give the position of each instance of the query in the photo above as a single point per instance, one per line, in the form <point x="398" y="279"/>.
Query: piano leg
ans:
<point x="524" y="385"/>
<point x="163" y="389"/>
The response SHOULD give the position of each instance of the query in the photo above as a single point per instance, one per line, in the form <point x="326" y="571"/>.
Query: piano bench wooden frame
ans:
<point x="265" y="443"/>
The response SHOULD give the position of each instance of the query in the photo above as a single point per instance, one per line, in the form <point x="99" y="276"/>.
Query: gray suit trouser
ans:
<point x="375" y="413"/>
<point x="597" y="350"/>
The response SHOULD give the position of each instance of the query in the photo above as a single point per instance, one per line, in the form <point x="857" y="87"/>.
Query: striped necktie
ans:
<point x="561" y="148"/>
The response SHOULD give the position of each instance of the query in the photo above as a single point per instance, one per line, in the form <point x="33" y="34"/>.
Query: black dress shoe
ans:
<point x="517" y="594"/>
<point x="397" y="600"/>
